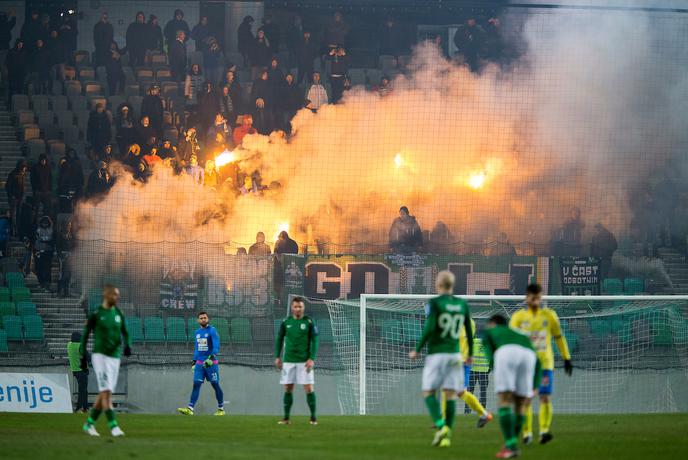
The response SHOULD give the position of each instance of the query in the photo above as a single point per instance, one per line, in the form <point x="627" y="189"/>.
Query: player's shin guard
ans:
<point x="528" y="422"/>
<point x="93" y="416"/>
<point x="450" y="412"/>
<point x="112" y="422"/>
<point x="472" y="402"/>
<point x="545" y="416"/>
<point x="310" y="399"/>
<point x="434" y="410"/>
<point x="195" y="393"/>
<point x="506" y="423"/>
<point x="288" y="401"/>
<point x="219" y="395"/>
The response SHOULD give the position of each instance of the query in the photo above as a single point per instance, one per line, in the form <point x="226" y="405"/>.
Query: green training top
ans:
<point x="499" y="336"/>
<point x="446" y="316"/>
<point x="74" y="356"/>
<point x="108" y="327"/>
<point x="300" y="338"/>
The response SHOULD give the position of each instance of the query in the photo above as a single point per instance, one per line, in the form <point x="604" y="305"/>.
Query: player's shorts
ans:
<point x="443" y="371"/>
<point x="466" y="374"/>
<point x="296" y="373"/>
<point x="211" y="374"/>
<point x="514" y="370"/>
<point x="547" y="382"/>
<point x="107" y="371"/>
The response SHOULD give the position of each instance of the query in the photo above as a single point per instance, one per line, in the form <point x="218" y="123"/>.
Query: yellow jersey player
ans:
<point x="541" y="324"/>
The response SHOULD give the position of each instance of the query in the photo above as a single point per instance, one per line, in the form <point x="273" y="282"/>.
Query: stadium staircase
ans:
<point x="10" y="150"/>
<point x="677" y="269"/>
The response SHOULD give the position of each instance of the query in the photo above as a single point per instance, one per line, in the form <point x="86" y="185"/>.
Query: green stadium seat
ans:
<point x="176" y="329"/>
<point x="135" y="329"/>
<point x="3" y="342"/>
<point x="13" y="327"/>
<point x="612" y="286"/>
<point x="633" y="286"/>
<point x="240" y="329"/>
<point x="4" y="294"/>
<point x="193" y="325"/>
<point x="7" y="308"/>
<point x="223" y="328"/>
<point x="33" y="328"/>
<point x="14" y="279"/>
<point x="20" y="294"/>
<point x="392" y="330"/>
<point x="26" y="308"/>
<point x="661" y="334"/>
<point x="154" y="329"/>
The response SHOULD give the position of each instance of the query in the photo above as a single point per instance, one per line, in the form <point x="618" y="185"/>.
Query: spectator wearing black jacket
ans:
<point x="40" y="69"/>
<point x="31" y="31"/>
<point x="154" y="38"/>
<point x="272" y="32"/>
<point x="276" y="81"/>
<point x="144" y="131"/>
<point x="234" y="91"/>
<point x="42" y="183"/>
<point x="56" y="50"/>
<point x="14" y="186"/>
<point x="136" y="40"/>
<point x="245" y="38"/>
<point x="125" y="126"/>
<point x="70" y="181"/>
<point x="227" y="105"/>
<point x="200" y="33"/>
<point x="45" y="247"/>
<point x="261" y="52"/>
<point x="262" y="89"/>
<point x="306" y="53"/>
<point x="291" y="101"/>
<point x="17" y="66"/>
<point x="7" y="22"/>
<point x="174" y="25"/>
<point x="103" y="35"/>
<point x="98" y="132"/>
<point x="152" y="107"/>
<point x="113" y="70"/>
<point x="405" y="235"/>
<point x="68" y="30"/>
<point x="263" y="119"/>
<point x="391" y="38"/>
<point x="339" y="67"/>
<point x="99" y="181"/>
<point x="177" y="56"/>
<point x="64" y="246"/>
<point x="285" y="245"/>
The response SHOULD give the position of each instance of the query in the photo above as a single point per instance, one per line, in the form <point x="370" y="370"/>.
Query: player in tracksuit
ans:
<point x="205" y="367"/>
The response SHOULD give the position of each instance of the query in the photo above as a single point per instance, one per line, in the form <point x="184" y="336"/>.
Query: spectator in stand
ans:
<point x="219" y="126"/>
<point x="285" y="245"/>
<point x="144" y="131"/>
<point x="262" y="88"/>
<point x="572" y="233"/>
<point x="68" y="30"/>
<point x="405" y="235"/>
<point x="17" y="66"/>
<point x="70" y="181"/>
<point x="152" y="107"/>
<point x="188" y="146"/>
<point x="14" y="186"/>
<point x="81" y="375"/>
<point x="31" y="31"/>
<point x="440" y="238"/>
<point x="306" y="53"/>
<point x="262" y="118"/>
<point x="276" y="82"/>
<point x="174" y="26"/>
<point x="215" y="146"/>
<point x="272" y="33"/>
<point x="294" y="36"/>
<point x="57" y="53"/>
<point x="603" y="245"/>
<point x="212" y="60"/>
<point x="200" y="33"/>
<point x="103" y="36"/>
<point x="125" y="123"/>
<point x="316" y="94"/>
<point x="259" y="248"/>
<point x="291" y="102"/>
<point x="210" y="176"/>
<point x="336" y="32"/>
<point x="177" y="56"/>
<point x="192" y="86"/>
<point x="27" y="221"/>
<point x="166" y="149"/>
<point x="384" y="89"/>
<point x="98" y="132"/>
<point x="246" y="127"/>
<point x="136" y="40"/>
<point x="501" y="247"/>
<point x="154" y="39"/>
<point x="261" y="52"/>
<point x="5" y="226"/>
<point x="245" y="38"/>
<point x="113" y="70"/>
<point x="40" y="72"/>
<point x="339" y="66"/>
<point x="209" y="106"/>
<point x="493" y="46"/>
<point x="227" y="105"/>
<point x="45" y="246"/>
<point x="8" y="19"/>
<point x="133" y="157"/>
<point x="391" y="39"/>
<point x="64" y="247"/>
<point x="234" y="91"/>
<point x="195" y="170"/>
<point x="152" y="159"/>
<point x="469" y="38"/>
<point x="42" y="183"/>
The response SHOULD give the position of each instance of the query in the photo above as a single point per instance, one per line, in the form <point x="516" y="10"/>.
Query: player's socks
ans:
<point x="472" y="402"/>
<point x="310" y="399"/>
<point x="506" y="423"/>
<point x="288" y="401"/>
<point x="545" y="416"/>
<point x="110" y="415"/>
<point x="450" y="412"/>
<point x="528" y="422"/>
<point x="434" y="410"/>
<point x="93" y="416"/>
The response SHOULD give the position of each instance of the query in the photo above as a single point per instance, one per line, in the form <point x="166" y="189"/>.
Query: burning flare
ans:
<point x="476" y="180"/>
<point x="224" y="158"/>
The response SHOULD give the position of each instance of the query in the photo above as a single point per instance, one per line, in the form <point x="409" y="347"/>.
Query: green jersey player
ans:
<point x="108" y="327"/>
<point x="516" y="372"/>
<point x="299" y="336"/>
<point x="443" y="369"/>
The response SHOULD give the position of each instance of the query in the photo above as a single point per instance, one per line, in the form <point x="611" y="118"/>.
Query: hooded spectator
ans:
<point x="245" y="38"/>
<point x="405" y="236"/>
<point x="137" y="33"/>
<point x="103" y="36"/>
<point x="177" y="56"/>
<point x="17" y="68"/>
<point x="260" y="248"/>
<point x="261" y="52"/>
<point x="31" y="31"/>
<point x="242" y="130"/>
<point x="263" y="120"/>
<point x="45" y="246"/>
<point x="603" y="245"/>
<point x="152" y="107"/>
<point x="154" y="40"/>
<point x="192" y="86"/>
<point x="166" y="149"/>
<point x="70" y="180"/>
<point x="42" y="183"/>
<point x="316" y="94"/>
<point x="285" y="245"/>
<point x="200" y="33"/>
<point x="125" y="126"/>
<point x="14" y="186"/>
<point x="113" y="70"/>
<point x="174" y="25"/>
<point x="306" y="53"/>
<point x="275" y="80"/>
<point x="8" y="19"/>
<point x="98" y="132"/>
<point x="262" y="89"/>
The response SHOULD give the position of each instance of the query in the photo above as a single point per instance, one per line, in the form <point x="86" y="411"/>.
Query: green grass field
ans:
<point x="31" y="436"/>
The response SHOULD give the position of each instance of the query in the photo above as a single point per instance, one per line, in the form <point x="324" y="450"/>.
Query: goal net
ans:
<point x="630" y="353"/>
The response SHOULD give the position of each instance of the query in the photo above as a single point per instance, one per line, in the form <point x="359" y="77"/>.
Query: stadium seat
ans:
<point x="20" y="102"/>
<point x="135" y="102"/>
<point x="14" y="279"/>
<point x="68" y="73"/>
<point x="169" y="89"/>
<point x="13" y="326"/>
<point x="86" y="74"/>
<point x="115" y="101"/>
<point x="222" y="328"/>
<point x="72" y="87"/>
<point x="25" y="308"/>
<point x="35" y="148"/>
<point x="25" y="117"/>
<point x="82" y="58"/>
<point x="153" y="329"/>
<point x="70" y="135"/>
<point x="19" y="294"/>
<point x="40" y="103"/>
<point x="29" y="132"/>
<point x="612" y="286"/>
<point x="4" y="294"/>
<point x="56" y="149"/>
<point x="634" y="286"/>
<point x="192" y="326"/>
<point x="133" y="89"/>
<point x="3" y="342"/>
<point x="163" y="75"/>
<point x="59" y="103"/>
<point x="78" y="103"/>
<point x="158" y="60"/>
<point x="33" y="328"/>
<point x="176" y="329"/>
<point x="134" y="328"/>
<point x="7" y="308"/>
<point x="144" y="74"/>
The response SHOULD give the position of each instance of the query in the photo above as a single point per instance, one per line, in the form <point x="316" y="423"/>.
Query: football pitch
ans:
<point x="59" y="436"/>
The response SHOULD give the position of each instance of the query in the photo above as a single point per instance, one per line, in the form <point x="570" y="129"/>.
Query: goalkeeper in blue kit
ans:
<point x="205" y="367"/>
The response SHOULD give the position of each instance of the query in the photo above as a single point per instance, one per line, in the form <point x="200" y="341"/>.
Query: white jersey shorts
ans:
<point x="107" y="371"/>
<point x="443" y="371"/>
<point x="514" y="370"/>
<point x="296" y="373"/>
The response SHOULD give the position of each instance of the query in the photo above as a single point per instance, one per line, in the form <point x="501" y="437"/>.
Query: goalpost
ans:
<point x="630" y="352"/>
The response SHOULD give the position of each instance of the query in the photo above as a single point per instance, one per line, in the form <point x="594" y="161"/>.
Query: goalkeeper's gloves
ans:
<point x="568" y="367"/>
<point x="127" y="350"/>
<point x="209" y="361"/>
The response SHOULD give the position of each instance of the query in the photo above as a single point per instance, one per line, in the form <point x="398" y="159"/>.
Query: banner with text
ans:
<point x="35" y="393"/>
<point x="579" y="275"/>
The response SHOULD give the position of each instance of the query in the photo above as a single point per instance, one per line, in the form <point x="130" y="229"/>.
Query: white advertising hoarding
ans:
<point x="29" y="392"/>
